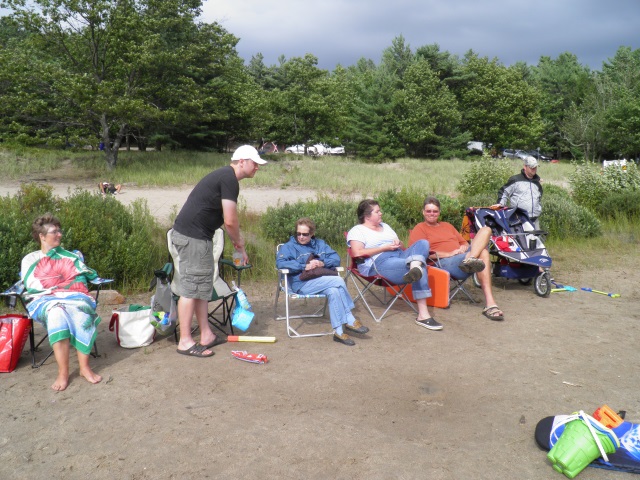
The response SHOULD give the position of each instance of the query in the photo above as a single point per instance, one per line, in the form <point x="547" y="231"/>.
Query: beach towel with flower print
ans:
<point x="57" y="282"/>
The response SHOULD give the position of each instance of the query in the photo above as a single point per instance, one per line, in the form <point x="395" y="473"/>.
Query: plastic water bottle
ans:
<point x="237" y="258"/>
<point x="241" y="298"/>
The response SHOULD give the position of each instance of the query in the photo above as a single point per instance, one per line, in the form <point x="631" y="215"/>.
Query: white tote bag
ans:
<point x="133" y="329"/>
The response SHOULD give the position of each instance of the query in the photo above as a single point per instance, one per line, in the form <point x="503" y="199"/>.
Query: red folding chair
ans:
<point x="391" y="291"/>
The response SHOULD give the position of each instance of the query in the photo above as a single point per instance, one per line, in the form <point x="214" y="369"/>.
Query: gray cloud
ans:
<point x="342" y="31"/>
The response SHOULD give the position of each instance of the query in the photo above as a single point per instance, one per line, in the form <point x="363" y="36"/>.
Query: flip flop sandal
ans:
<point x="217" y="341"/>
<point x="471" y="265"/>
<point x="492" y="312"/>
<point x="196" y="350"/>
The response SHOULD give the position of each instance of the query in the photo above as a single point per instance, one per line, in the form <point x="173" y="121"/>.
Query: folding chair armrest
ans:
<point x="284" y="271"/>
<point x="230" y="263"/>
<point x="98" y="282"/>
<point x="339" y="269"/>
<point x="14" y="290"/>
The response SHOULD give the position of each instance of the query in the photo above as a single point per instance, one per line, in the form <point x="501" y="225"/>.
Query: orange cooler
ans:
<point x="439" y="284"/>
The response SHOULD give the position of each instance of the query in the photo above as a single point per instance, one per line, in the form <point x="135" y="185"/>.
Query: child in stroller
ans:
<point x="516" y="247"/>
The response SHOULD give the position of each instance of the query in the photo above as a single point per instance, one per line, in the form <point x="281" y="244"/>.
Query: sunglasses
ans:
<point x="300" y="234"/>
<point x="432" y="211"/>
<point x="55" y="232"/>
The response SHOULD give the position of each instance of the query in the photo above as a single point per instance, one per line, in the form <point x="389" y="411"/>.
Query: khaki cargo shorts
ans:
<point x="193" y="266"/>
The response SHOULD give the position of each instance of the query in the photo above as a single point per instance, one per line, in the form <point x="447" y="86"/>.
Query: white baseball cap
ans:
<point x="531" y="162"/>
<point x="247" y="152"/>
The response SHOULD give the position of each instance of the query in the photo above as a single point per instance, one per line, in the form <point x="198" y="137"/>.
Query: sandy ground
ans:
<point x="404" y="403"/>
<point x="163" y="202"/>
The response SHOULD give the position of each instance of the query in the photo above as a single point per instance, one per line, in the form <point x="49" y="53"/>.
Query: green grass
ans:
<point x="337" y="175"/>
<point x="330" y="175"/>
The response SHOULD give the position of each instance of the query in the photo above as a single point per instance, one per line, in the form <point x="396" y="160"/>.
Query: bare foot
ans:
<point x="91" y="376"/>
<point x="62" y="381"/>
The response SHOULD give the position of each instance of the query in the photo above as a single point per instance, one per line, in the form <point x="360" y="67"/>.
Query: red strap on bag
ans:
<point x="14" y="330"/>
<point x="115" y="322"/>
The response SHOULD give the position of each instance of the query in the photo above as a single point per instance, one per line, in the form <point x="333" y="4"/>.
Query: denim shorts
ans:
<point x="452" y="265"/>
<point x="193" y="266"/>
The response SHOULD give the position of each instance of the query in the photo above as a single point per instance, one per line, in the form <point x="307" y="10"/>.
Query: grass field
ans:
<point x="334" y="175"/>
<point x="326" y="174"/>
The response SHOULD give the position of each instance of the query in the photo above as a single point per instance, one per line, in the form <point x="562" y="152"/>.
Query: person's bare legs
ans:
<point x="202" y="316"/>
<point x="61" y="354"/>
<point x="187" y="307"/>
<point x="85" y="369"/>
<point x="479" y="244"/>
<point x="484" y="277"/>
<point x="118" y="188"/>
<point x="423" y="311"/>
<point x="479" y="250"/>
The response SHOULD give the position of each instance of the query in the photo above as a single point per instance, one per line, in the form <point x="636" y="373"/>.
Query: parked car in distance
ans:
<point x="511" y="153"/>
<point x="335" y="150"/>
<point x="315" y="150"/>
<point x="299" y="149"/>
<point x="539" y="156"/>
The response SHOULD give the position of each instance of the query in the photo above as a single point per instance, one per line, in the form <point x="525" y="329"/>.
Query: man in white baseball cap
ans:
<point x="524" y="191"/>
<point x="247" y="152"/>
<point x="212" y="204"/>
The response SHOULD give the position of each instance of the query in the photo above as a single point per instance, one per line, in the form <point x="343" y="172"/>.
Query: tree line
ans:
<point x="150" y="73"/>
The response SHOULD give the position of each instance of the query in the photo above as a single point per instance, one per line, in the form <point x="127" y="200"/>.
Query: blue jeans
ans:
<point x="340" y="303"/>
<point x="394" y="265"/>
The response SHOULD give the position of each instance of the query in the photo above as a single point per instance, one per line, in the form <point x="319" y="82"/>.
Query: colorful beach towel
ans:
<point x="58" y="270"/>
<point x="57" y="282"/>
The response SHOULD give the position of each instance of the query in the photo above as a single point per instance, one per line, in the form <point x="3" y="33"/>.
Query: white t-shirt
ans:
<point x="371" y="239"/>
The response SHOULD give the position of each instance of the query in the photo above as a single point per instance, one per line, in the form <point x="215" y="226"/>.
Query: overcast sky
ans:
<point x="342" y="31"/>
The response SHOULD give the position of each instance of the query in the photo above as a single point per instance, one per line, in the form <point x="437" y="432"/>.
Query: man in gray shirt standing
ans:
<point x="524" y="191"/>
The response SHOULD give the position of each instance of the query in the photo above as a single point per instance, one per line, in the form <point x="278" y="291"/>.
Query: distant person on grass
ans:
<point x="212" y="203"/>
<point x="107" y="187"/>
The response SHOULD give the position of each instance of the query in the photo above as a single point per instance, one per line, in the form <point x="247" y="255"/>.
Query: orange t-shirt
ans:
<point x="442" y="238"/>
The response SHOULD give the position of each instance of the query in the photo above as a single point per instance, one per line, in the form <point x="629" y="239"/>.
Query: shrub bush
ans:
<point x="486" y="175"/>
<point x="555" y="190"/>
<point x="332" y="218"/>
<point x="588" y="187"/>
<point x="406" y="207"/>
<point x="591" y="184"/>
<point x="563" y="218"/>
<point x="620" y="204"/>
<point x="123" y="243"/>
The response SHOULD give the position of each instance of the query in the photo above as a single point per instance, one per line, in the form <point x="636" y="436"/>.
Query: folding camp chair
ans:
<point x="458" y="283"/>
<point x="364" y="284"/>
<point x="284" y="289"/>
<point x="16" y="293"/>
<point x="223" y="295"/>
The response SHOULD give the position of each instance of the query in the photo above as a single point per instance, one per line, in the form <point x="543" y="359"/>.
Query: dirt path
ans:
<point x="163" y="201"/>
<point x="403" y="403"/>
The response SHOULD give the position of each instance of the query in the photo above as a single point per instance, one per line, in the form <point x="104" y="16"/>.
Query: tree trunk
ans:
<point x="111" y="149"/>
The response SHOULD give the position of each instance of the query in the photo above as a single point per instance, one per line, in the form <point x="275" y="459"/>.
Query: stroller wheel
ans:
<point x="476" y="282"/>
<point x="525" y="281"/>
<point x="542" y="284"/>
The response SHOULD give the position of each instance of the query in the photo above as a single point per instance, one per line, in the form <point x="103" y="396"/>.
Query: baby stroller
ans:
<point x="516" y="247"/>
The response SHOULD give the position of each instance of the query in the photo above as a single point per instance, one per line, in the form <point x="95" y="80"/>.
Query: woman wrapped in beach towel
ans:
<point x="56" y="280"/>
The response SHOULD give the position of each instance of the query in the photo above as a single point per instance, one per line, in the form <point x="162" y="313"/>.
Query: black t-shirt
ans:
<point x="201" y="215"/>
